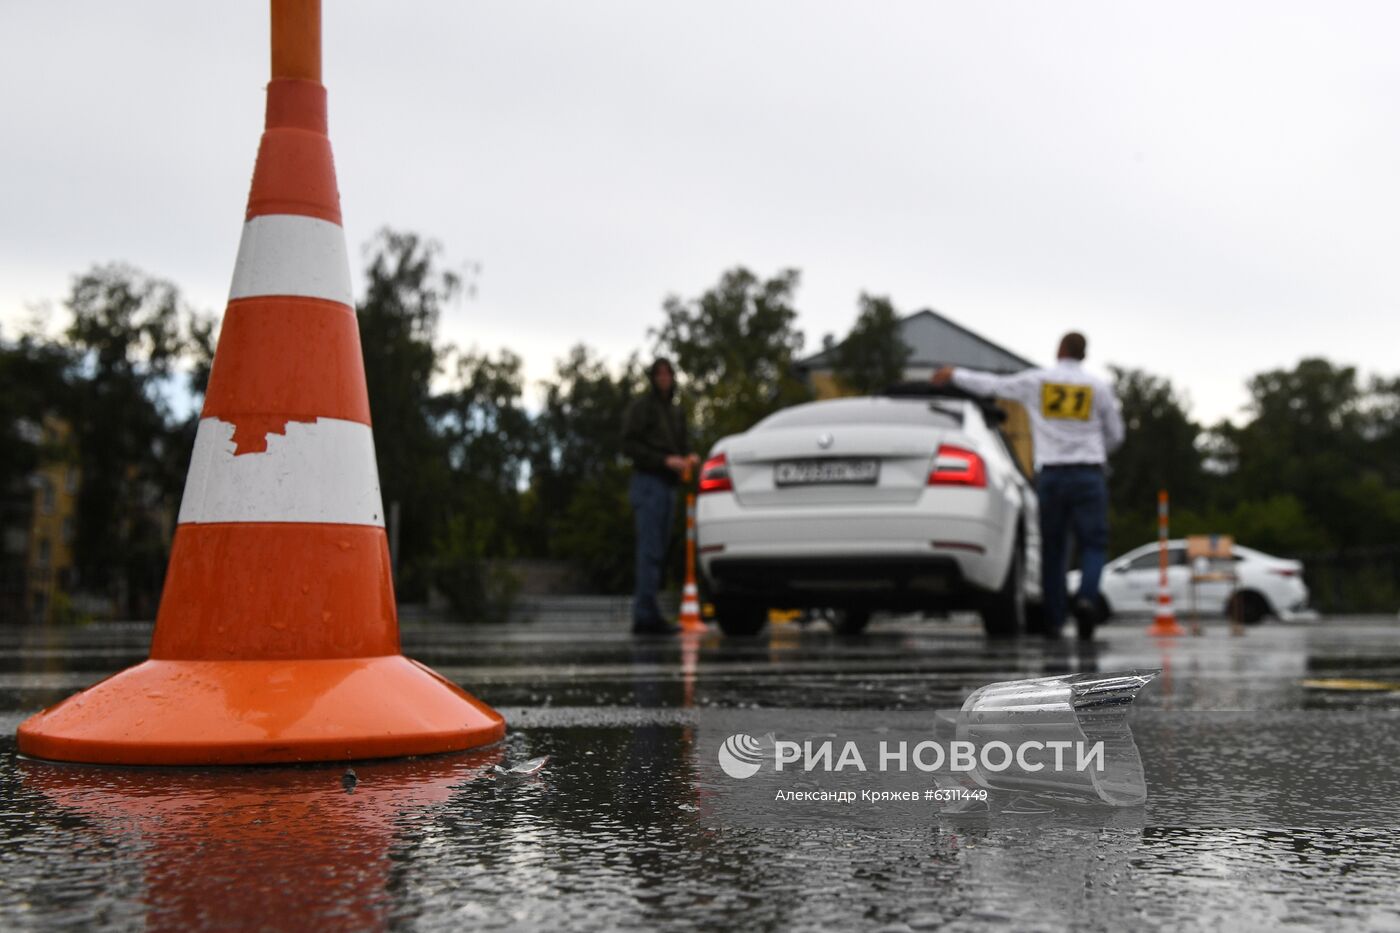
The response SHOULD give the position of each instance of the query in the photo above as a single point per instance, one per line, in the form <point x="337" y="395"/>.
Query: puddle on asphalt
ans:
<point x="611" y="832"/>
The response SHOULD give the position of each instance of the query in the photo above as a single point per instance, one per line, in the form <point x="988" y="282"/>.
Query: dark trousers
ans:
<point x="653" y="508"/>
<point x="1071" y="499"/>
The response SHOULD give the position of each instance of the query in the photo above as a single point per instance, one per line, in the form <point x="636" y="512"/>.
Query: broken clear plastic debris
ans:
<point x="1073" y="711"/>
<point x="529" y="767"/>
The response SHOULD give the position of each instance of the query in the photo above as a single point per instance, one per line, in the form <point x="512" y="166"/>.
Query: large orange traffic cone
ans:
<point x="277" y="637"/>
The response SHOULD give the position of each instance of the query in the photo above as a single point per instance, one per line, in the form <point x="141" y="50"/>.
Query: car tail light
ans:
<point x="714" y="475"/>
<point x="1285" y="571"/>
<point x="955" y="466"/>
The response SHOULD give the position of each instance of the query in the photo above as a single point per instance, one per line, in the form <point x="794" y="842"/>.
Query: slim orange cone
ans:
<point x="1164" y="621"/>
<point x="690" y="618"/>
<point x="277" y="637"/>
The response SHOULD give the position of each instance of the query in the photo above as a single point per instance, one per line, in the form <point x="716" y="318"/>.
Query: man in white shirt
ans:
<point x="1076" y="424"/>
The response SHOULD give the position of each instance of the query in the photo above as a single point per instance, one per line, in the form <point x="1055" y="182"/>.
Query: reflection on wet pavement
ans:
<point x="610" y="832"/>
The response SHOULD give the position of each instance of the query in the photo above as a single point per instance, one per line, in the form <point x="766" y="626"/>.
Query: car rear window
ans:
<point x="869" y="411"/>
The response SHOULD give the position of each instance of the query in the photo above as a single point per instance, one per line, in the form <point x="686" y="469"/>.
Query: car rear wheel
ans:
<point x="740" y="617"/>
<point x="850" y="621"/>
<point x="1035" y="618"/>
<point x="1248" y="607"/>
<point x="1004" y="612"/>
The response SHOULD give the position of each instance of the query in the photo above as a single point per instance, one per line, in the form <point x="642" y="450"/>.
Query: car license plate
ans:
<point x="819" y="472"/>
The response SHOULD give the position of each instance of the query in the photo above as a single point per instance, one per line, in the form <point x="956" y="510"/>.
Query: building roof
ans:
<point x="937" y="341"/>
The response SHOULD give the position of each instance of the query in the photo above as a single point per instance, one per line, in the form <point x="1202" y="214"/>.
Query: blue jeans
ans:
<point x="654" y="508"/>
<point x="1071" y="499"/>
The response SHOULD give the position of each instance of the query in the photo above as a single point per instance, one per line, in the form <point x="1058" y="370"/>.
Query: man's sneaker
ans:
<point x="1086" y="616"/>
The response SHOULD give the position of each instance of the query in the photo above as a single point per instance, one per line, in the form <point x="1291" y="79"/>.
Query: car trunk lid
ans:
<point x="833" y="466"/>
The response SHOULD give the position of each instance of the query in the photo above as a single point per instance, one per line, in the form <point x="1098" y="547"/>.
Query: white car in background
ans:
<point x="1264" y="585"/>
<point x="908" y="502"/>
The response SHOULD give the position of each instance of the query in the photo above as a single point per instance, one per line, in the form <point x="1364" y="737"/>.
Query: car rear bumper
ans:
<point x="1291" y="605"/>
<point x="977" y="545"/>
<point x="886" y="582"/>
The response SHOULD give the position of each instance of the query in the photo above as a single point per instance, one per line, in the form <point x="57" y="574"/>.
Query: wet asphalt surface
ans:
<point x="612" y="832"/>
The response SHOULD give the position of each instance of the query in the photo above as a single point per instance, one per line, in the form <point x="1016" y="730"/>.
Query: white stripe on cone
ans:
<point x="285" y="254"/>
<point x="322" y="471"/>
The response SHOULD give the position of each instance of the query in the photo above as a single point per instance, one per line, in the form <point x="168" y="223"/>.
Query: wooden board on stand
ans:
<point x="1212" y="561"/>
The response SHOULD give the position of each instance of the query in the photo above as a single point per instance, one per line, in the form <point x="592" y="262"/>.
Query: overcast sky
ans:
<point x="1207" y="189"/>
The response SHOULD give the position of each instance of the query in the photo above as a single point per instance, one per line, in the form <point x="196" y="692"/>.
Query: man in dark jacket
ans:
<point x="655" y="439"/>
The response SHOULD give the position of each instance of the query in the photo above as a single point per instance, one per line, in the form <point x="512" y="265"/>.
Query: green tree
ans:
<point x="486" y="435"/>
<point x="578" y="480"/>
<point x="203" y="337"/>
<point x="33" y="383"/>
<point x="406" y="290"/>
<point x="1276" y="524"/>
<point x="451" y="456"/>
<point x="1159" y="452"/>
<point x="734" y="347"/>
<point x="873" y="355"/>
<point x="481" y="419"/>
<point x="1305" y="439"/>
<point x="33" y="386"/>
<point x="129" y="333"/>
<point x="1381" y="428"/>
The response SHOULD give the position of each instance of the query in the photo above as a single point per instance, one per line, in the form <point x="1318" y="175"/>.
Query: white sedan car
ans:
<point x="908" y="503"/>
<point x="1263" y="585"/>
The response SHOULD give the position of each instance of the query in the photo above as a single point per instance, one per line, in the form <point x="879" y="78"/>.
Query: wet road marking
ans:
<point x="1349" y="683"/>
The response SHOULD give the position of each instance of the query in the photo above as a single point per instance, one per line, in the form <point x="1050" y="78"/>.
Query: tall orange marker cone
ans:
<point x="1164" y="622"/>
<point x="690" y="618"/>
<point x="277" y="638"/>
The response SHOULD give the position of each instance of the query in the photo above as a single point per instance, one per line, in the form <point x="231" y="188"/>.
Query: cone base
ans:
<point x="180" y="712"/>
<point x="1167" y="626"/>
<point x="692" y="623"/>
